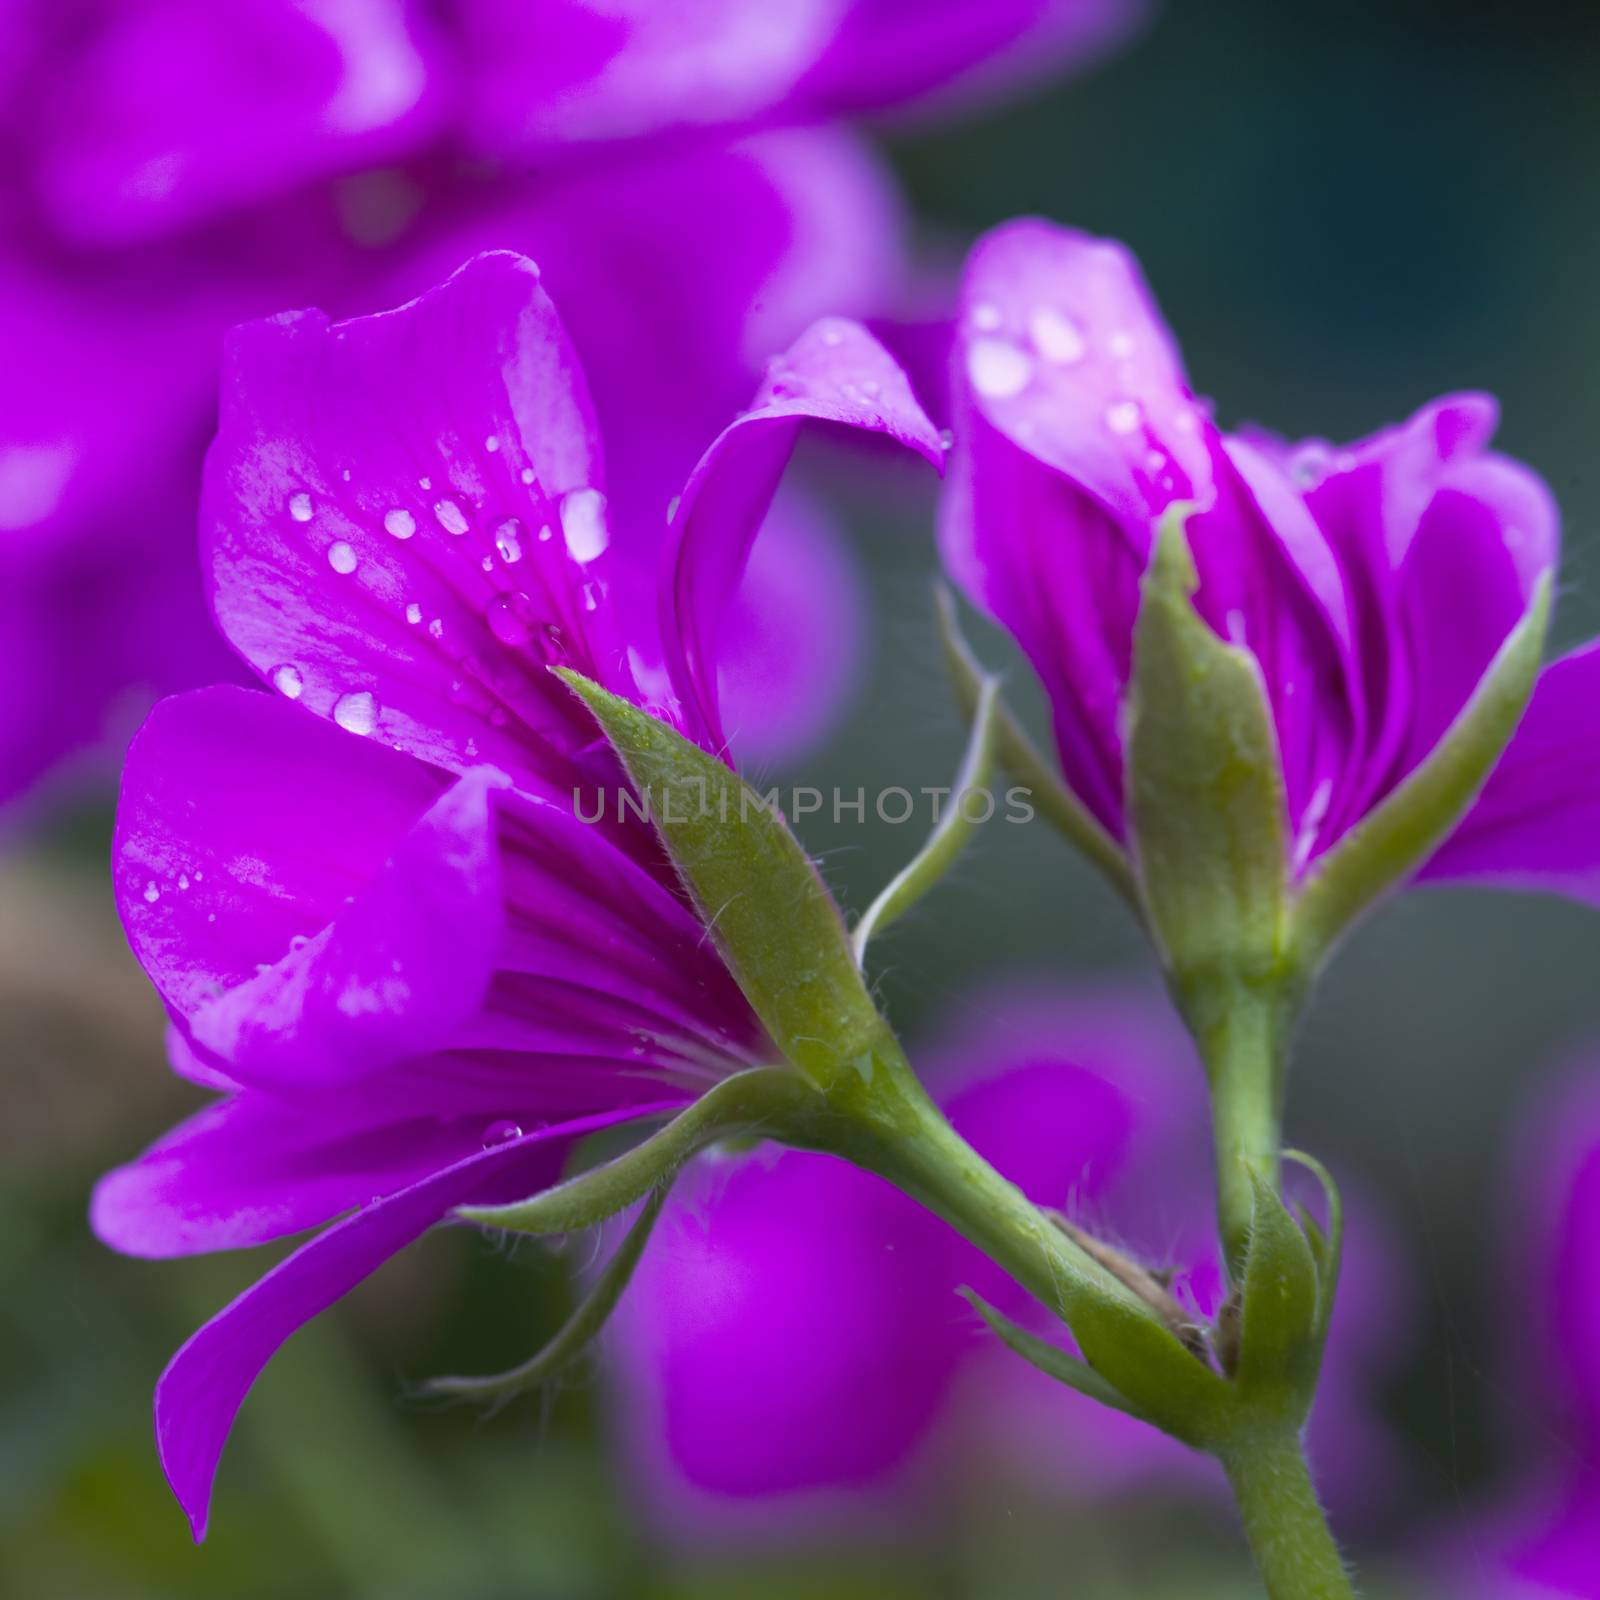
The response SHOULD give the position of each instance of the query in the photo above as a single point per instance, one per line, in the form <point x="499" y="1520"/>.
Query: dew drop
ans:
<point x="505" y="620"/>
<point x="985" y="317"/>
<point x="1057" y="337"/>
<point x="450" y="517"/>
<point x="436" y="628"/>
<point x="487" y="563"/>
<point x="424" y="483"/>
<point x="1123" y="416"/>
<point x="997" y="368"/>
<point x="287" y="680"/>
<point x="508" y="540"/>
<point x="413" y="613"/>
<point x="546" y="533"/>
<point x="672" y="507"/>
<point x="151" y="892"/>
<point x="356" y="713"/>
<point x="501" y="1132"/>
<point x="341" y="558"/>
<point x="947" y="439"/>
<point x="300" y="506"/>
<point x="399" y="522"/>
<point x="183" y="880"/>
<point x="491" y="444"/>
<point x="526" y="474"/>
<point x="583" y="523"/>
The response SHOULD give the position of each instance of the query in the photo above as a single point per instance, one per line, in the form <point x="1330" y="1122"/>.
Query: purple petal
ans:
<point x="1536" y="826"/>
<point x="792" y="1328"/>
<point x="203" y="1386"/>
<point x="836" y="373"/>
<point x="888" y="53"/>
<point x="243" y="828"/>
<point x="673" y="328"/>
<point x="251" y="1168"/>
<point x="569" y="72"/>
<point x="171" y="112"/>
<point x="404" y="523"/>
<point x="272" y="871"/>
<point x="792" y="647"/>
<point x="396" y="974"/>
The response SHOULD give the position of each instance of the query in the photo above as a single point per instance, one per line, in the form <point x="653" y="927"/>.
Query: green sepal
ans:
<point x="1205" y="785"/>
<point x="1280" y="1330"/>
<point x="951" y="833"/>
<point x="772" y="918"/>
<point x="1023" y="759"/>
<point x="1327" y="1248"/>
<point x="578" y="1332"/>
<point x="764" y="1098"/>
<point x="1392" y="841"/>
<point x="1051" y="1359"/>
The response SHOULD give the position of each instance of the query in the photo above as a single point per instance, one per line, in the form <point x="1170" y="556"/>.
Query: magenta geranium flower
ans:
<point x="381" y="929"/>
<point x="1543" y="1537"/>
<point x="793" y="1345"/>
<point x="1373" y="583"/>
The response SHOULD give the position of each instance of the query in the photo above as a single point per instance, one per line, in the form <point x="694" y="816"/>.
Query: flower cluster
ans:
<point x="172" y="167"/>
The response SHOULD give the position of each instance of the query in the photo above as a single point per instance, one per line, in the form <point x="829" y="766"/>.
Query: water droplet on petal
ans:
<point x="413" y="613"/>
<point x="356" y="713"/>
<point x="341" y="558"/>
<point x="947" y="439"/>
<point x="1057" y="337"/>
<point x="300" y="507"/>
<point x="501" y="1132"/>
<point x="424" y="483"/>
<point x="491" y="444"/>
<point x="508" y="540"/>
<point x="487" y="563"/>
<point x="151" y="892"/>
<point x="1123" y="416"/>
<point x="183" y="880"/>
<point x="985" y="317"/>
<point x="505" y="621"/>
<point x="450" y="517"/>
<point x="287" y="680"/>
<point x="672" y="506"/>
<point x="400" y="523"/>
<point x="436" y="628"/>
<point x="526" y="474"/>
<point x="583" y="523"/>
<point x="997" y="368"/>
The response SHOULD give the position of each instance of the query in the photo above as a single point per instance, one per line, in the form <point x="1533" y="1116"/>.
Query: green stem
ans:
<point x="1283" y="1522"/>
<point x="1244" y="1045"/>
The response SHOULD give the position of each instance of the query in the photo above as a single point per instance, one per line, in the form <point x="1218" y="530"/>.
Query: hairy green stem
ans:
<point x="1244" y="1044"/>
<point x="1284" y="1524"/>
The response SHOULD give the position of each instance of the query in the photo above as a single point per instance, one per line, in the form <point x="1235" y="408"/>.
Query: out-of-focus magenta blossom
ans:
<point x="1544" y="1540"/>
<point x="795" y="1331"/>
<point x="1373" y="582"/>
<point x="170" y="167"/>
<point x="378" y="924"/>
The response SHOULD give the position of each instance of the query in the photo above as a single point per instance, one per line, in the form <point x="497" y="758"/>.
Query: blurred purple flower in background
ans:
<point x="794" y="1333"/>
<point x="1544" y="1538"/>
<point x="1374" y="583"/>
<point x="378" y="925"/>
<point x="169" y="167"/>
